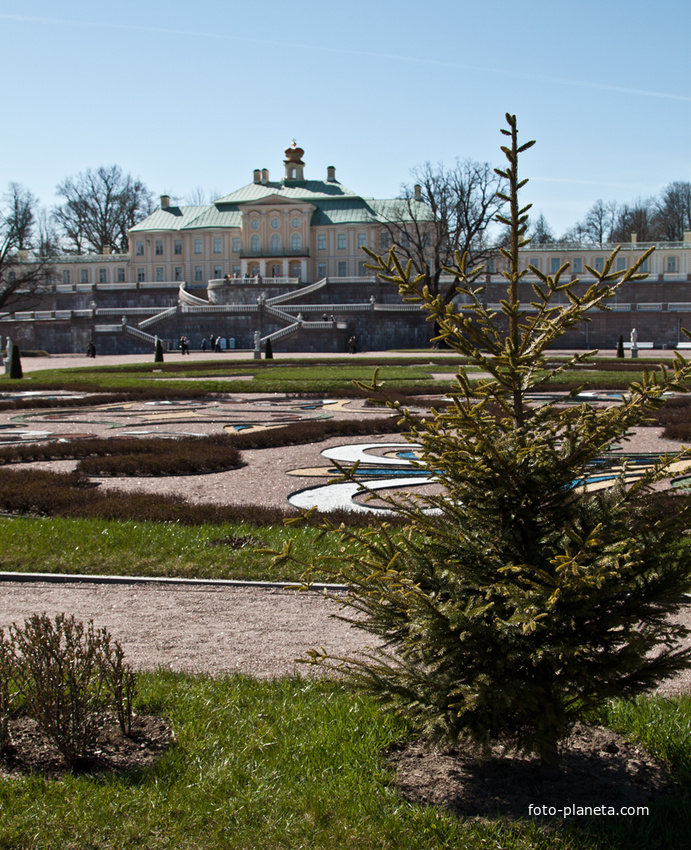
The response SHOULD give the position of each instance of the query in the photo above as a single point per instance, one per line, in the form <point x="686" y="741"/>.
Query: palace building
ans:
<point x="283" y="259"/>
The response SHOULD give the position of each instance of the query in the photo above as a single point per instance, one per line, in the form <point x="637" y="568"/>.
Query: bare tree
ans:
<point x="674" y="211"/>
<point x="21" y="214"/>
<point x="599" y="221"/>
<point x="640" y="218"/>
<point x="541" y="233"/>
<point x="100" y="207"/>
<point x="22" y="276"/>
<point x="446" y="210"/>
<point x="200" y="197"/>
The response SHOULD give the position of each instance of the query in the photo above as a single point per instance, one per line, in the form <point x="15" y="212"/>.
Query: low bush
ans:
<point x="42" y="493"/>
<point x="66" y="673"/>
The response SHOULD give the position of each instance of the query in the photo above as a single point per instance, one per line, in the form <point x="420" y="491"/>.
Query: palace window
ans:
<point x="198" y="246"/>
<point x="177" y="274"/>
<point x="578" y="265"/>
<point x="160" y="275"/>
<point x="275" y="223"/>
<point x="177" y="246"/>
<point x="236" y="244"/>
<point x="275" y="243"/>
<point x="120" y="275"/>
<point x="66" y="277"/>
<point x="296" y="242"/>
<point x="671" y="265"/>
<point x="158" y="247"/>
<point x="621" y="264"/>
<point x="599" y="264"/>
<point x="139" y="249"/>
<point x="342" y="268"/>
<point x="362" y="240"/>
<point x="198" y="273"/>
<point x="255" y="244"/>
<point x="554" y="265"/>
<point x="103" y="275"/>
<point x="218" y="272"/>
<point x="321" y="271"/>
<point x="83" y="275"/>
<point x="321" y="242"/>
<point x="218" y="246"/>
<point x="341" y="243"/>
<point x="141" y="275"/>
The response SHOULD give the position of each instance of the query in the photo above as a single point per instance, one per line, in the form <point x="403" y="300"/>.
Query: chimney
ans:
<point x="331" y="173"/>
<point x="105" y="250"/>
<point x="23" y="255"/>
<point x="687" y="236"/>
<point x="417" y="188"/>
<point x="634" y="238"/>
<point x="165" y="202"/>
<point x="257" y="175"/>
<point x="265" y="176"/>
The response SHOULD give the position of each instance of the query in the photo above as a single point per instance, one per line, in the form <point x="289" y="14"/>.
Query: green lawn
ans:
<point x="298" y="376"/>
<point x="99" y="547"/>
<point x="287" y="764"/>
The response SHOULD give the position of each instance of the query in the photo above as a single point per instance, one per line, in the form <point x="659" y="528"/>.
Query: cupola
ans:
<point x="293" y="162"/>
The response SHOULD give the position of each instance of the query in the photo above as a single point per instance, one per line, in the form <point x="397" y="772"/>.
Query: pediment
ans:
<point x="277" y="200"/>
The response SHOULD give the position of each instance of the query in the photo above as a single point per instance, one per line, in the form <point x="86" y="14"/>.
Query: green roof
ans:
<point x="294" y="190"/>
<point x="333" y="203"/>
<point x="169" y="218"/>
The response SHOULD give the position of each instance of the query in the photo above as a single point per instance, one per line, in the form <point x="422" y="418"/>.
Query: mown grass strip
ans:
<point x="99" y="547"/>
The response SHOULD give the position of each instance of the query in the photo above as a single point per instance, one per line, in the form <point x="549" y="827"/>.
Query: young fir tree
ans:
<point x="620" y="346"/>
<point x="268" y="351"/>
<point x="515" y="600"/>
<point x="158" y="351"/>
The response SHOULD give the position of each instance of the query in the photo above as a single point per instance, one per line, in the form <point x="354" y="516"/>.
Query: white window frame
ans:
<point x="158" y="248"/>
<point x="218" y="245"/>
<point x="341" y="241"/>
<point x="177" y="247"/>
<point x="198" y="246"/>
<point x="138" y="249"/>
<point x="321" y="242"/>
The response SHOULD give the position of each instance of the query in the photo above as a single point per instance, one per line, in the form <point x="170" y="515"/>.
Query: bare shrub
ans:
<point x="67" y="672"/>
<point x="7" y="690"/>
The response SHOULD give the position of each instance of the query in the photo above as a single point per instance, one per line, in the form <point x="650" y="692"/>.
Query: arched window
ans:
<point x="275" y="244"/>
<point x="296" y="242"/>
<point x="255" y="244"/>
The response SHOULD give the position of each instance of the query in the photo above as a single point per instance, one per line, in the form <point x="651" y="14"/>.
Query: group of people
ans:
<point x="213" y="343"/>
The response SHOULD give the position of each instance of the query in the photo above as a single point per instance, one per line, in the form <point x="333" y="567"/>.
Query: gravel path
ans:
<point x="260" y="632"/>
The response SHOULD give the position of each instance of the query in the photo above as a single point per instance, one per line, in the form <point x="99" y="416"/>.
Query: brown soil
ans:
<point x="112" y="753"/>
<point x="599" y="768"/>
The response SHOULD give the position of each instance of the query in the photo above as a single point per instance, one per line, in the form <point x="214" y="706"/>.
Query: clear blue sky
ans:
<point x="188" y="95"/>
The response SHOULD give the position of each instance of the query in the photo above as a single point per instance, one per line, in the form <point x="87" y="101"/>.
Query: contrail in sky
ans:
<point x="335" y="50"/>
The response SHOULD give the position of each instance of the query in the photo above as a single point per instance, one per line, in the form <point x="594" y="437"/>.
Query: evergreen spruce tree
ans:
<point x="620" y="346"/>
<point x="516" y="600"/>
<point x="15" y="363"/>
<point x="268" y="351"/>
<point x="158" y="353"/>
